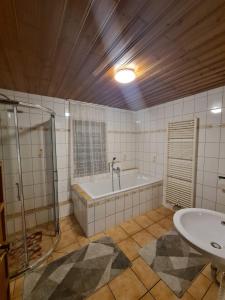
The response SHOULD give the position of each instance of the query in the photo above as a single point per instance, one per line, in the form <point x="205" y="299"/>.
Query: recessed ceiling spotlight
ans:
<point x="216" y="110"/>
<point x="125" y="75"/>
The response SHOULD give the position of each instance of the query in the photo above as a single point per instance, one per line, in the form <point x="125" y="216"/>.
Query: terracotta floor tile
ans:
<point x="154" y="216"/>
<point x="127" y="286"/>
<point x="166" y="223"/>
<point x="78" y="232"/>
<point x="212" y="292"/>
<point x="103" y="293"/>
<point x="199" y="287"/>
<point x="164" y="211"/>
<point x="79" y="235"/>
<point x="66" y="224"/>
<point x="46" y="244"/>
<point x="207" y="272"/>
<point x="54" y="256"/>
<point x="97" y="236"/>
<point x="130" y="248"/>
<point x="133" y="283"/>
<point x="18" y="288"/>
<point x="156" y="230"/>
<point x="170" y="217"/>
<point x="70" y="248"/>
<point x="186" y="296"/>
<point x="83" y="241"/>
<point x="12" y="285"/>
<point x="161" y="292"/>
<point x="117" y="234"/>
<point x="147" y="296"/>
<point x="147" y="276"/>
<point x="67" y="238"/>
<point x="143" y="221"/>
<point x="143" y="237"/>
<point x="131" y="227"/>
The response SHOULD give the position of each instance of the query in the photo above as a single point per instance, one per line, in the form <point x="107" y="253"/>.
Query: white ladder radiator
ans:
<point x="180" y="178"/>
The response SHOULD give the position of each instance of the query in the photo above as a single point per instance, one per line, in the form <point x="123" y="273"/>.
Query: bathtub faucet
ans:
<point x="116" y="171"/>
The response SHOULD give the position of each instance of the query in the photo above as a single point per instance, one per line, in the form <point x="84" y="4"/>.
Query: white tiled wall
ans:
<point x="120" y="130"/>
<point x="120" y="143"/>
<point x="121" y="136"/>
<point x="135" y="138"/>
<point x="151" y="127"/>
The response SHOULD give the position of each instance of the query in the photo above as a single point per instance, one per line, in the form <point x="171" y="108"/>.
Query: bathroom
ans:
<point x="112" y="150"/>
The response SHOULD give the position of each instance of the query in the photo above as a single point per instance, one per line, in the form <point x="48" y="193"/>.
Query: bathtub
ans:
<point x="98" y="208"/>
<point x="103" y="187"/>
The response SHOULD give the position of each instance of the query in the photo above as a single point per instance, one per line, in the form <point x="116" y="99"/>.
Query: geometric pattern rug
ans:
<point x="176" y="263"/>
<point x="77" y="274"/>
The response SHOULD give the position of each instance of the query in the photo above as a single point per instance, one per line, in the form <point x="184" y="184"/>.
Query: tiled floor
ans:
<point x="139" y="281"/>
<point x="47" y="240"/>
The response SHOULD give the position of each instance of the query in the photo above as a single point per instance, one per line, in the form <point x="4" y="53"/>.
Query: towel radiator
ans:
<point x="180" y="179"/>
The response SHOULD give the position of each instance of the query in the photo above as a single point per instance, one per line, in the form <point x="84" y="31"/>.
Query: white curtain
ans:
<point x="88" y="139"/>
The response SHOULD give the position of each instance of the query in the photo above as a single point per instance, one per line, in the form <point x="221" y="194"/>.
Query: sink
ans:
<point x="204" y="230"/>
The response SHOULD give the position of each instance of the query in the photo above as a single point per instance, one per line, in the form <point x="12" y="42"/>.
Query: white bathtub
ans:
<point x="98" y="208"/>
<point x="102" y="187"/>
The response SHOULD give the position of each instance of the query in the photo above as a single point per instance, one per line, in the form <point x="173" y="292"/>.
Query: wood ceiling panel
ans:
<point x="69" y="49"/>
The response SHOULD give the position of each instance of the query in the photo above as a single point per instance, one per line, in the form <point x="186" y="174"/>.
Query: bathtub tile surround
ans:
<point x="95" y="265"/>
<point x="104" y="212"/>
<point x="175" y="262"/>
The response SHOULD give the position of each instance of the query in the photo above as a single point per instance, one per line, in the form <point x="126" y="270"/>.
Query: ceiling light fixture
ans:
<point x="216" y="110"/>
<point x="125" y="75"/>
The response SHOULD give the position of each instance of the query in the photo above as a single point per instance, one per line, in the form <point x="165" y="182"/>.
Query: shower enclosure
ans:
<point x="28" y="155"/>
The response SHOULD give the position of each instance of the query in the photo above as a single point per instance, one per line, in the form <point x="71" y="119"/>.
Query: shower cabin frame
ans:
<point x="15" y="104"/>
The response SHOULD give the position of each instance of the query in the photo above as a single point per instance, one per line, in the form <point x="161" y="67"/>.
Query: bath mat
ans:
<point x="176" y="263"/>
<point x="77" y="274"/>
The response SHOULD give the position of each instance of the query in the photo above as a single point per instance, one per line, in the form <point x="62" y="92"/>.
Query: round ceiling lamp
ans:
<point x="125" y="75"/>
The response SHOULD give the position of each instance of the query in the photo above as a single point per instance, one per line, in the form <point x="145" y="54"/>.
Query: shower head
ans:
<point x="114" y="158"/>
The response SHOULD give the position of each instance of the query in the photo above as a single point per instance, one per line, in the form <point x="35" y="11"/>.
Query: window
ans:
<point x="89" y="148"/>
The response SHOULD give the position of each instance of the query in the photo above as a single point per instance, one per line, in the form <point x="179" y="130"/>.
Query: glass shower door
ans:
<point x="13" y="195"/>
<point x="38" y="181"/>
<point x="28" y="153"/>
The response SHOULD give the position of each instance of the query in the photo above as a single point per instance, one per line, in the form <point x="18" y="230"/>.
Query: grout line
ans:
<point x="110" y="289"/>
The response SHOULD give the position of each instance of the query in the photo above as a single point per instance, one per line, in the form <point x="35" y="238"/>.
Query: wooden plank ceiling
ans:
<point x="70" y="49"/>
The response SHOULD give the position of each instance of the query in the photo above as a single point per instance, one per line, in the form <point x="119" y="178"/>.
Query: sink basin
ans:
<point x="204" y="230"/>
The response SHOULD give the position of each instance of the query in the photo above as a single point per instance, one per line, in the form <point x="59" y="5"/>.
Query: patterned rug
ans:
<point x="176" y="263"/>
<point x="77" y="274"/>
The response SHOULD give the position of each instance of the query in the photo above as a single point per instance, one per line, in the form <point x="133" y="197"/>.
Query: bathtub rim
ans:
<point x="110" y="194"/>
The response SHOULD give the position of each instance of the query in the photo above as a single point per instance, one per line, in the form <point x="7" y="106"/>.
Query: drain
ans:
<point x="223" y="223"/>
<point x="215" y="245"/>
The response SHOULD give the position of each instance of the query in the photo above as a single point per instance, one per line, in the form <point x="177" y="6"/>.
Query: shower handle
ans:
<point x="18" y="191"/>
<point x="4" y="249"/>
<point x="4" y="246"/>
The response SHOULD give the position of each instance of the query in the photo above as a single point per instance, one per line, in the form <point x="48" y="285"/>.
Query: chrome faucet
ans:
<point x="116" y="171"/>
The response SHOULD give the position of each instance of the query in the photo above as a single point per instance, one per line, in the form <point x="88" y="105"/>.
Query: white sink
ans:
<point x="204" y="230"/>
